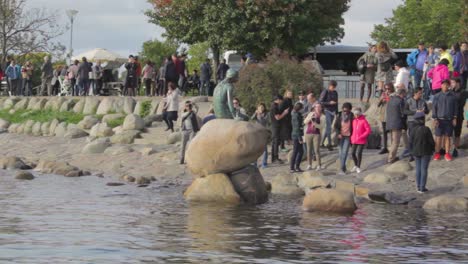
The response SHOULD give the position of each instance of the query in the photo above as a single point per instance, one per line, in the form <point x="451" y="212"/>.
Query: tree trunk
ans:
<point x="216" y="51"/>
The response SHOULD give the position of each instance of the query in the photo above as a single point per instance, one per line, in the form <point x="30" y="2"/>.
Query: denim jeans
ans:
<point x="275" y="142"/>
<point x="83" y="85"/>
<point x="204" y="87"/>
<point x="329" y="116"/>
<point x="298" y="152"/>
<point x="265" y="156"/>
<point x="417" y="78"/>
<point x="27" y="89"/>
<point x="344" y="148"/>
<point x="422" y="165"/>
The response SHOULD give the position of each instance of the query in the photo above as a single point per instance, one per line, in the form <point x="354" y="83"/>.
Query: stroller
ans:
<point x="65" y="86"/>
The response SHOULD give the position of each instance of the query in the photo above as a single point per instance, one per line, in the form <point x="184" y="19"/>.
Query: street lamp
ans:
<point x="71" y="14"/>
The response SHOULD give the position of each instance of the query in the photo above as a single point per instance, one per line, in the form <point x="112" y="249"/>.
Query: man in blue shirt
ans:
<point x="13" y="72"/>
<point x="416" y="61"/>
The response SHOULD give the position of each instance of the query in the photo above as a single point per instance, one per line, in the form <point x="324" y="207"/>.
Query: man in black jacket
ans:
<point x="329" y="99"/>
<point x="395" y="122"/>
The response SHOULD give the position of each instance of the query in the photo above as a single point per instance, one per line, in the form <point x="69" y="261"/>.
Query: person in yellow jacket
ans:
<point x="445" y="54"/>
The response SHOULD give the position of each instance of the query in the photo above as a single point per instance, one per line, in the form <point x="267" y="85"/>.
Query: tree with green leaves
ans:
<point x="197" y="54"/>
<point x="156" y="51"/>
<point x="251" y="25"/>
<point x="429" y="21"/>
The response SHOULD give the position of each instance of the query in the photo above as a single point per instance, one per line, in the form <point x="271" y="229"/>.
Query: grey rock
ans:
<point x="75" y="133"/>
<point x="24" y="175"/>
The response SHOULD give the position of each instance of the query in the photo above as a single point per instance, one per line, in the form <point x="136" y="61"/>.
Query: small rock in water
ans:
<point x="74" y="173"/>
<point x="115" y="184"/>
<point x="128" y="178"/>
<point x="142" y="180"/>
<point x="391" y="197"/>
<point x="24" y="175"/>
<point x="142" y="185"/>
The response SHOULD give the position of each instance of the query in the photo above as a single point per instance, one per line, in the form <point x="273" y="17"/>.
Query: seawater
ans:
<point x="54" y="219"/>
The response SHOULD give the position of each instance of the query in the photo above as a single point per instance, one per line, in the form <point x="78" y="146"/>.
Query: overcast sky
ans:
<point x="121" y="26"/>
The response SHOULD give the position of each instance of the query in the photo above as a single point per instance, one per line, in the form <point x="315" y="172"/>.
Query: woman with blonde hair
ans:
<point x="385" y="58"/>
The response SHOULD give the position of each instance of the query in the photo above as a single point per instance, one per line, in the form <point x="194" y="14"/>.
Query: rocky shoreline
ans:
<point x="154" y="159"/>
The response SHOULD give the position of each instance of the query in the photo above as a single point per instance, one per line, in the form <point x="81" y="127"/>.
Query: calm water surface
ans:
<point x="54" y="219"/>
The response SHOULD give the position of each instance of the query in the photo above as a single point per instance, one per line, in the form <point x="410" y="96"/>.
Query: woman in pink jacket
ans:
<point x="438" y="74"/>
<point x="361" y="130"/>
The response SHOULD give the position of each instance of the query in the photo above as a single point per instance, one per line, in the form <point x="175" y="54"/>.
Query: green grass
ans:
<point x="116" y="122"/>
<point x="145" y="108"/>
<point x="21" y="116"/>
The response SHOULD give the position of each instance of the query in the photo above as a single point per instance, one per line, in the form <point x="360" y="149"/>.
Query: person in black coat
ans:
<point x="286" y="126"/>
<point x="422" y="149"/>
<point x="396" y="122"/>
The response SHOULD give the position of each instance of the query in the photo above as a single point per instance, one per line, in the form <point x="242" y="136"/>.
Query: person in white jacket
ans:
<point x="403" y="76"/>
<point x="171" y="106"/>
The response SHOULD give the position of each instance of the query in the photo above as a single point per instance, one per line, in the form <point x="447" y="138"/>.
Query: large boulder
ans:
<point x="12" y="163"/>
<point x="329" y="200"/>
<point x="118" y="150"/>
<point x="10" y="102"/>
<point x="91" y="105"/>
<point x="225" y="145"/>
<point x="61" y="129"/>
<point x="75" y="133"/>
<point x="56" y="103"/>
<point x="95" y="147"/>
<point x="22" y="104"/>
<point x="447" y="203"/>
<point x="249" y="184"/>
<point x="133" y="122"/>
<point x="285" y="185"/>
<point x="57" y="167"/>
<point x="39" y="105"/>
<point x="67" y="105"/>
<point x="214" y="188"/>
<point x="377" y="178"/>
<point x="53" y="125"/>
<point x="88" y="122"/>
<point x="155" y="106"/>
<point x="36" y="129"/>
<point x="129" y="105"/>
<point x="174" y="138"/>
<point x="45" y="129"/>
<point x="24" y="175"/>
<point x="101" y="130"/>
<point x="4" y="124"/>
<point x="32" y="102"/>
<point x="13" y="128"/>
<point x="105" y="107"/>
<point x="399" y="167"/>
<point x="126" y="137"/>
<point x="312" y="180"/>
<point x="111" y="117"/>
<point x="78" y="107"/>
<point x="20" y="129"/>
<point x="28" y="127"/>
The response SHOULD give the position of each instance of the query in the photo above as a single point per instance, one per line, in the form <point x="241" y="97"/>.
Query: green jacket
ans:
<point x="297" y="125"/>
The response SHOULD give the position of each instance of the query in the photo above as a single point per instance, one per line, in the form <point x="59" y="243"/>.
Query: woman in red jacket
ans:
<point x="361" y="130"/>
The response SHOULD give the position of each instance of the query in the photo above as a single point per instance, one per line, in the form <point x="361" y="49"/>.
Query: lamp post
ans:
<point x="71" y="14"/>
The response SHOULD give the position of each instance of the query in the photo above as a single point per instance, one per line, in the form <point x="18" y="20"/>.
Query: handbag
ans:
<point x="362" y="66"/>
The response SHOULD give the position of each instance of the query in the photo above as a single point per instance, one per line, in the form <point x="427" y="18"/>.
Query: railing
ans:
<point x="348" y="86"/>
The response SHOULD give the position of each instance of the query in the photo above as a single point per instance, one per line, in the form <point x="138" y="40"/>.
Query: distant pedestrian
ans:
<point x="205" y="77"/>
<point x="314" y="123"/>
<point x="344" y="130"/>
<point x="276" y="115"/>
<point x="170" y="73"/>
<point x="297" y="135"/>
<point x="361" y="131"/>
<point x="222" y="70"/>
<point x="97" y="74"/>
<point x="385" y="59"/>
<point x="413" y="106"/>
<point x="47" y="74"/>
<point x="445" y="54"/>
<point x="445" y="114"/>
<point x="261" y="117"/>
<point x="27" y="72"/>
<point x="416" y="61"/>
<point x="382" y="105"/>
<point x="72" y="76"/>
<point x="189" y="128"/>
<point x="438" y="74"/>
<point x="171" y="106"/>
<point x="131" y="82"/>
<point x="422" y="149"/>
<point x="329" y="99"/>
<point x="148" y="77"/>
<point x="13" y="72"/>
<point x="458" y="60"/>
<point x="462" y="96"/>
<point x="84" y="68"/>
<point x="395" y="122"/>
<point x="431" y="61"/>
<point x="403" y="76"/>
<point x="286" y="125"/>
<point x="160" y="79"/>
<point x="369" y="59"/>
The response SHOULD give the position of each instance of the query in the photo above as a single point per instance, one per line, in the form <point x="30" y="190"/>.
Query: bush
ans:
<point x="259" y="83"/>
<point x="145" y="108"/>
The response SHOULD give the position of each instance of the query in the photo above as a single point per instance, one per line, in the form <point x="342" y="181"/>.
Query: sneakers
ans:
<point x="278" y="161"/>
<point x="448" y="157"/>
<point x="358" y="170"/>
<point x="319" y="168"/>
<point x="298" y="170"/>
<point x="342" y="173"/>
<point x="455" y="153"/>
<point x="437" y="156"/>
<point x="309" y="167"/>
<point x="354" y="169"/>
<point x="292" y="171"/>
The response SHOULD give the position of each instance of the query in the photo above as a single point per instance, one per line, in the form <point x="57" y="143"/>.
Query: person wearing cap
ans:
<point x="223" y="96"/>
<point x="416" y="61"/>
<point x="276" y="116"/>
<point x="413" y="106"/>
<point x="395" y="122"/>
<point x="445" y="115"/>
<point x="438" y="74"/>
<point x="422" y="148"/>
<point x="403" y="76"/>
<point x="344" y="130"/>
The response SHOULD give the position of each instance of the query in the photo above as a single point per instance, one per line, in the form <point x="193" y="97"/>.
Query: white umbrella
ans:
<point x="102" y="55"/>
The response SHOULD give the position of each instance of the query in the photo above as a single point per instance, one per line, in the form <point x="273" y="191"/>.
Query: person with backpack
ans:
<point x="422" y="149"/>
<point x="262" y="117"/>
<point x="361" y="131"/>
<point x="368" y="66"/>
<point x="329" y="99"/>
<point x="189" y="128"/>
<point x="385" y="58"/>
<point x="344" y="130"/>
